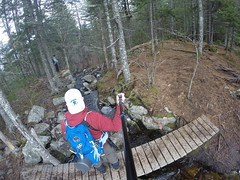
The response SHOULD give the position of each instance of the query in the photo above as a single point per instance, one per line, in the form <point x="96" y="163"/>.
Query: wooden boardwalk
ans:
<point x="148" y="157"/>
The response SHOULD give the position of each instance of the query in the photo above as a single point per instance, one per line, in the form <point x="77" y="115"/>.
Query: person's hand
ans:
<point x="122" y="95"/>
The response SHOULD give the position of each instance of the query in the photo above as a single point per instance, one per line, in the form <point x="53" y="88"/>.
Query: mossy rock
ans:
<point x="171" y="125"/>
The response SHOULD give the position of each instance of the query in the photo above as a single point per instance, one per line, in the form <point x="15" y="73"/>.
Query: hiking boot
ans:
<point x="116" y="166"/>
<point x="102" y="169"/>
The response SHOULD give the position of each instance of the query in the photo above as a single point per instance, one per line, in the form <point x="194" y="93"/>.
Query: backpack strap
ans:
<point x="85" y="123"/>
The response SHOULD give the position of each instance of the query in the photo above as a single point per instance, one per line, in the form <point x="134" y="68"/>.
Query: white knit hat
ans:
<point x="74" y="101"/>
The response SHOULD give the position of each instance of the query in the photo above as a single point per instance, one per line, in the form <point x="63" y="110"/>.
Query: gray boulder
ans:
<point x="36" y="114"/>
<point x="58" y="101"/>
<point x="70" y="86"/>
<point x="111" y="100"/>
<point x="154" y="122"/>
<point x="137" y="112"/>
<point x="42" y="128"/>
<point x="60" y="117"/>
<point x="44" y="140"/>
<point x="30" y="156"/>
<point x="61" y="145"/>
<point x="90" y="79"/>
<point x="57" y="132"/>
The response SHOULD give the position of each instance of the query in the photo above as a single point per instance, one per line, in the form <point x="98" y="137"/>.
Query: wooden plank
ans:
<point x="171" y="148"/>
<point x="78" y="173"/>
<point x="39" y="172"/>
<point x="107" y="175"/>
<point x="43" y="172"/>
<point x="48" y="172"/>
<point x="188" y="139"/>
<point x="85" y="176"/>
<point x="26" y="173"/>
<point x="176" y="144"/>
<point x="71" y="172"/>
<point x="210" y="123"/>
<point x="192" y="134"/>
<point x="157" y="153"/>
<point x="206" y="126"/>
<point x="59" y="172"/>
<point x="146" y="166"/>
<point x="137" y="162"/>
<point x="182" y="141"/>
<point x="151" y="158"/>
<point x="168" y="157"/>
<point x="115" y="173"/>
<point x="54" y="173"/>
<point x="33" y="173"/>
<point x="202" y="129"/>
<point x="99" y="176"/>
<point x="198" y="132"/>
<point x="65" y="171"/>
<point x="122" y="170"/>
<point x="92" y="174"/>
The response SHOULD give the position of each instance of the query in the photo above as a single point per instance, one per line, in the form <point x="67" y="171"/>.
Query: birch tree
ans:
<point x="122" y="46"/>
<point x="200" y="43"/>
<point x="36" y="146"/>
<point x="110" y="36"/>
<point x="152" y="25"/>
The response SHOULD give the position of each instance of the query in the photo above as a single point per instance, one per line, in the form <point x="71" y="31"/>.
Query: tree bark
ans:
<point x="171" y="18"/>
<point x="6" y="141"/>
<point x="200" y="43"/>
<point x="152" y="25"/>
<point x="110" y="35"/>
<point x="9" y="125"/>
<point x="103" y="40"/>
<point x="47" y="157"/>
<point x="122" y="46"/>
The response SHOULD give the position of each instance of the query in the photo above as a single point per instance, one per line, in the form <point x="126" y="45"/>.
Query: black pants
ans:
<point x="57" y="68"/>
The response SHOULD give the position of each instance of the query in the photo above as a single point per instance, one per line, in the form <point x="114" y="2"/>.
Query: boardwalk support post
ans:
<point x="130" y="167"/>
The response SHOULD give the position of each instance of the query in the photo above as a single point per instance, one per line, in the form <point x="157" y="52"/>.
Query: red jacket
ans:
<point x="96" y="120"/>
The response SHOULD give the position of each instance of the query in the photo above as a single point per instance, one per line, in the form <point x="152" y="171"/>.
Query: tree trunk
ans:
<point x="193" y="21"/>
<point x="9" y="125"/>
<point x="226" y="41"/>
<point x="232" y="38"/>
<point x="110" y="35"/>
<point x="103" y="40"/>
<point x="47" y="157"/>
<point x="200" y="43"/>
<point x="171" y="18"/>
<point x="152" y="25"/>
<point x="122" y="46"/>
<point x="6" y="141"/>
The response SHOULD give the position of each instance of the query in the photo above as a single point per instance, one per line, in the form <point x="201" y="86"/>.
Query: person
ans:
<point x="55" y="62"/>
<point x="77" y="112"/>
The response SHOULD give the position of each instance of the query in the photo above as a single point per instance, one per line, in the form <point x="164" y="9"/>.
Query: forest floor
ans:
<point x="210" y="94"/>
<point x="172" y="70"/>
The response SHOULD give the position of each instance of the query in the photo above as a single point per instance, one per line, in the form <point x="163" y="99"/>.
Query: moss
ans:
<point x="213" y="175"/>
<point x="161" y="115"/>
<point x="22" y="142"/>
<point x="171" y="125"/>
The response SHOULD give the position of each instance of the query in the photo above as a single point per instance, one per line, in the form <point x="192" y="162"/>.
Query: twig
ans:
<point x="195" y="70"/>
<point x="112" y="44"/>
